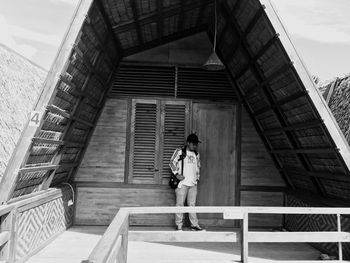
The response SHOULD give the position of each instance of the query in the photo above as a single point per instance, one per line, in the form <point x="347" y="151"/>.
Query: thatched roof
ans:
<point x="265" y="71"/>
<point x="20" y="86"/>
<point x="337" y="95"/>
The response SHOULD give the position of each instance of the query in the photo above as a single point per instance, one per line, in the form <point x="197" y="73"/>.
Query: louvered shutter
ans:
<point x="175" y="127"/>
<point x="202" y="84"/>
<point x="143" y="81"/>
<point x="144" y="142"/>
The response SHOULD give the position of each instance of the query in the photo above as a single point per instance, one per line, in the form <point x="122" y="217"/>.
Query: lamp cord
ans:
<point x="215" y="26"/>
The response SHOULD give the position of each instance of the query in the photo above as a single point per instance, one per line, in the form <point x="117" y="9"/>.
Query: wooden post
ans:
<point x="125" y="241"/>
<point x="8" y="224"/>
<point x="340" y="246"/>
<point x="244" y="239"/>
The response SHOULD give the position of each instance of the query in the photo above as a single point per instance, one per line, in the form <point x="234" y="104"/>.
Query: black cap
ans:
<point x="193" y="138"/>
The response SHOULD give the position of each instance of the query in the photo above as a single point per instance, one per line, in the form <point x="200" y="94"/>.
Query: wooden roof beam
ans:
<point x="97" y="116"/>
<point x="304" y="150"/>
<point x="181" y="21"/>
<point x="267" y="80"/>
<point x="281" y="102"/>
<point x="278" y="113"/>
<point x="329" y="176"/>
<point x="165" y="40"/>
<point x="160" y="25"/>
<point x="201" y="13"/>
<point x="257" y="56"/>
<point x="70" y="126"/>
<point x="135" y="13"/>
<point x="153" y="16"/>
<point x="297" y="126"/>
<point x="109" y="27"/>
<point x="241" y="39"/>
<point x="239" y="92"/>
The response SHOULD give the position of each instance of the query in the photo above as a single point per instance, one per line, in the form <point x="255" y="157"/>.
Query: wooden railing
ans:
<point x="112" y="247"/>
<point x="9" y="215"/>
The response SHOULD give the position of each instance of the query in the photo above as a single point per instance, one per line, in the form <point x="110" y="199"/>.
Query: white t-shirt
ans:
<point x="190" y="169"/>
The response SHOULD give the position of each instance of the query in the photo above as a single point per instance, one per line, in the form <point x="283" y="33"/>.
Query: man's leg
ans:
<point x="181" y="194"/>
<point x="191" y="201"/>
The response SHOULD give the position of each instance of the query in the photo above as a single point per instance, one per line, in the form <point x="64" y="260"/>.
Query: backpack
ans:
<point x="174" y="182"/>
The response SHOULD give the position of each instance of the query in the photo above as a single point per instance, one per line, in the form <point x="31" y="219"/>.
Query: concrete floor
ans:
<point x="76" y="243"/>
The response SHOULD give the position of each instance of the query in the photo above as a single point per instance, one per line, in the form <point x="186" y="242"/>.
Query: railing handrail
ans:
<point x="5" y="209"/>
<point x="105" y="246"/>
<point x="238" y="209"/>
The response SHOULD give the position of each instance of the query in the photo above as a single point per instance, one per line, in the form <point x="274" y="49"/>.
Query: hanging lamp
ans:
<point x="214" y="63"/>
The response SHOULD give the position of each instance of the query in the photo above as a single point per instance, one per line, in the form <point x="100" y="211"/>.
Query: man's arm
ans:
<point x="174" y="164"/>
<point x="198" y="166"/>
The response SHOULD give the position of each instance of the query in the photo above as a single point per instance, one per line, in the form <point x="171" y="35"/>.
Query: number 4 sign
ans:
<point x="35" y="117"/>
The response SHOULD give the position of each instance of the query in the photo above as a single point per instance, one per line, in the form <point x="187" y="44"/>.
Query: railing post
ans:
<point x="125" y="240"/>
<point x="8" y="223"/>
<point x="340" y="246"/>
<point x="244" y="238"/>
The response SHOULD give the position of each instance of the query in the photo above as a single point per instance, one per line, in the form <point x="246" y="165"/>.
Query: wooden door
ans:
<point x="215" y="126"/>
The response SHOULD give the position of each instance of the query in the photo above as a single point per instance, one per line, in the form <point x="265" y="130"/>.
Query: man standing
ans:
<point x="185" y="164"/>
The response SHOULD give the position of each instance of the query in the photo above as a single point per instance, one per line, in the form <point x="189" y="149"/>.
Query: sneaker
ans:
<point x="197" y="228"/>
<point x="179" y="228"/>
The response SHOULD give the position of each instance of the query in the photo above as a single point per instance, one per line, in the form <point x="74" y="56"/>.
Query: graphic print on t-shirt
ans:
<point x="191" y="159"/>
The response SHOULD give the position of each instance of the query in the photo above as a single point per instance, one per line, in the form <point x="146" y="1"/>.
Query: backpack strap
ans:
<point x="183" y="156"/>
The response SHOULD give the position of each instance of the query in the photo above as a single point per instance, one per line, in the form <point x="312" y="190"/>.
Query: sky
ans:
<point x="320" y="30"/>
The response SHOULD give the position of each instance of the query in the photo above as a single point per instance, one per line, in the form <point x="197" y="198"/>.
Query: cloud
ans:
<point x="69" y="2"/>
<point x="7" y="38"/>
<point x="324" y="21"/>
<point x="11" y="36"/>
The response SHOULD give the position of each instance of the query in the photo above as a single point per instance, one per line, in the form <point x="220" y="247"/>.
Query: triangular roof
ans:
<point x="266" y="72"/>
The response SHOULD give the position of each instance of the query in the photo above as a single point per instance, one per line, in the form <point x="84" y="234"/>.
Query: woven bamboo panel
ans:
<point x="278" y="140"/>
<point x="303" y="182"/>
<point x="310" y="137"/>
<point x="260" y="34"/>
<point x="256" y="100"/>
<point x="298" y="111"/>
<point x="338" y="190"/>
<point x="245" y="13"/>
<point x="104" y="68"/>
<point x="128" y="39"/>
<point x="61" y="175"/>
<point x="289" y="161"/>
<point x="247" y="81"/>
<point x="326" y="162"/>
<point x="70" y="154"/>
<point x="79" y="133"/>
<point x="267" y="120"/>
<point x="97" y="22"/>
<point x="284" y="85"/>
<point x="317" y="223"/>
<point x="37" y="225"/>
<point x="149" y="32"/>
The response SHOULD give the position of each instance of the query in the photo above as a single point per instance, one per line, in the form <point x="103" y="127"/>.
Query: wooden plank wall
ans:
<point x="261" y="183"/>
<point x="101" y="191"/>
<point x="105" y="157"/>
<point x="100" y="180"/>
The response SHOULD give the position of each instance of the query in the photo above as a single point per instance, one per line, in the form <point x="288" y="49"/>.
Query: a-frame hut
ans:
<point x="127" y="87"/>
